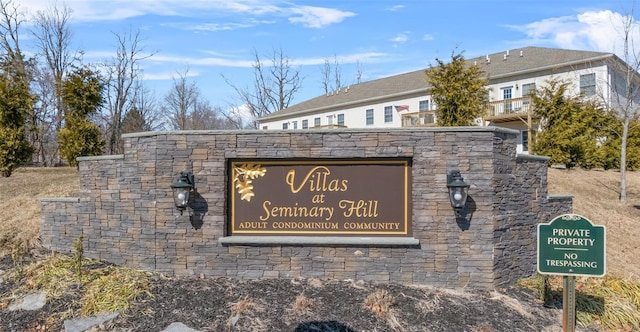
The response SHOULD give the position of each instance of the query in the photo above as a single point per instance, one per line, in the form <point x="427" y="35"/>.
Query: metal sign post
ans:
<point x="570" y="245"/>
<point x="569" y="304"/>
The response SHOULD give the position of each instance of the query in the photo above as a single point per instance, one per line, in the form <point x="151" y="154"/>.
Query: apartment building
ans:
<point x="404" y="100"/>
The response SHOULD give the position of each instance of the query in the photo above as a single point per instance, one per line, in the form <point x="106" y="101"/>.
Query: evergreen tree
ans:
<point x="458" y="91"/>
<point x="134" y="121"/>
<point x="82" y="96"/>
<point x="609" y="152"/>
<point x="15" y="104"/>
<point x="79" y="137"/>
<point x="571" y="130"/>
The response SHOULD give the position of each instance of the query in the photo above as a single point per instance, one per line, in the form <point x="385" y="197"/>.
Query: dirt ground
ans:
<point x="216" y="304"/>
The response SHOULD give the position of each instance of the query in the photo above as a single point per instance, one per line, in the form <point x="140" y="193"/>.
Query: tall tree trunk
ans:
<point x="623" y="161"/>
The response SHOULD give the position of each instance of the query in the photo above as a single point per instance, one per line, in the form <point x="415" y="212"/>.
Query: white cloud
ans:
<point x="366" y="57"/>
<point x="395" y="8"/>
<point x="224" y="61"/>
<point x="241" y="112"/>
<point x="428" y="36"/>
<point x="590" y="30"/>
<point x="207" y="61"/>
<point x="605" y="30"/>
<point x="318" y="17"/>
<point x="401" y="38"/>
<point x="98" y="10"/>
<point x="213" y="27"/>
<point x="165" y="76"/>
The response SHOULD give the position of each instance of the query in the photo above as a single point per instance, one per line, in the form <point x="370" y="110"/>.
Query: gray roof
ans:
<point x="518" y="61"/>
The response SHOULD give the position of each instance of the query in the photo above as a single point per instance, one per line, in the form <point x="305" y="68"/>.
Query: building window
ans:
<point x="316" y="122"/>
<point x="588" y="84"/>
<point x="285" y="125"/>
<point x="305" y="124"/>
<point x="423" y="105"/>
<point x="369" y="115"/>
<point x="329" y="119"/>
<point x="295" y="124"/>
<point x="506" y="95"/>
<point x="265" y="127"/>
<point x="340" y="119"/>
<point x="525" y="141"/>
<point x="388" y="114"/>
<point x="528" y="89"/>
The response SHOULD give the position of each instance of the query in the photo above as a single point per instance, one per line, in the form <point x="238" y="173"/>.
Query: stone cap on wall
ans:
<point x="318" y="131"/>
<point x="105" y="157"/>
<point x="60" y="199"/>
<point x="559" y="197"/>
<point x="532" y="157"/>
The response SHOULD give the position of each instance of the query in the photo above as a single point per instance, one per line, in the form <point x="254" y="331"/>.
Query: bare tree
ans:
<point x="625" y="101"/>
<point x="53" y="39"/>
<point x="122" y="76"/>
<point x="274" y="86"/>
<point x="145" y="102"/>
<point x="337" y="73"/>
<point x="144" y="115"/>
<point x="358" y="72"/>
<point x="331" y="71"/>
<point x="43" y="134"/>
<point x="236" y="118"/>
<point x="10" y="21"/>
<point x="281" y="82"/>
<point x="325" y="75"/>
<point x="207" y="117"/>
<point x="181" y="101"/>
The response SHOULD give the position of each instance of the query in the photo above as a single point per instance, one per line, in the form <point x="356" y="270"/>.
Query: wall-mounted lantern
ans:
<point x="458" y="190"/>
<point x="182" y="190"/>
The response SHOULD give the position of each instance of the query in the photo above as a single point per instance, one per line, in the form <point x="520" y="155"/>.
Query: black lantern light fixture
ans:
<point x="458" y="190"/>
<point x="182" y="190"/>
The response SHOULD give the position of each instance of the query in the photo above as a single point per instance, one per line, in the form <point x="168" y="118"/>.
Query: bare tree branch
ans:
<point x="10" y="21"/>
<point x="53" y="39"/>
<point x="122" y="75"/>
<point x="180" y="101"/>
<point x="274" y="86"/>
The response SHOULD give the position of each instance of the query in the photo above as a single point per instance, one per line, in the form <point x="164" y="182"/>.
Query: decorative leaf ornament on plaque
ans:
<point x="244" y="176"/>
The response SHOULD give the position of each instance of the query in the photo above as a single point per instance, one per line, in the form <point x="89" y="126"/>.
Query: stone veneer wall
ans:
<point x="126" y="215"/>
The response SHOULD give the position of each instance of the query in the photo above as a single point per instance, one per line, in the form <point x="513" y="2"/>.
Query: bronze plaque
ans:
<point x="320" y="197"/>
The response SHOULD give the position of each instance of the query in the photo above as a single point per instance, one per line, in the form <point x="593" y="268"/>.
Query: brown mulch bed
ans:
<point x="220" y="304"/>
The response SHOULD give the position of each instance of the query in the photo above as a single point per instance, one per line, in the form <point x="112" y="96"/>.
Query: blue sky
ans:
<point x="211" y="38"/>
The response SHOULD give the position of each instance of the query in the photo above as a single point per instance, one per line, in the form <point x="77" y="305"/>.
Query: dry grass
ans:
<point x="620" y="305"/>
<point x="20" y="206"/>
<point x="302" y="305"/>
<point x="609" y="302"/>
<point x="104" y="289"/>
<point x="244" y="307"/>
<point x="114" y="291"/>
<point x="380" y="303"/>
<point x="596" y="198"/>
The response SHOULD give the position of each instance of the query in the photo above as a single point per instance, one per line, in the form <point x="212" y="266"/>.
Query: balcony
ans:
<point x="508" y="110"/>
<point x="419" y="119"/>
<point x="496" y="111"/>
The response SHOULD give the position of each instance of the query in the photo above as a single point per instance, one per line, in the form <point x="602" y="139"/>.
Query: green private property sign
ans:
<point x="571" y="245"/>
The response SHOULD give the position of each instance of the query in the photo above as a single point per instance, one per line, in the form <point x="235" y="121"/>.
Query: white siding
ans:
<point x="355" y="117"/>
